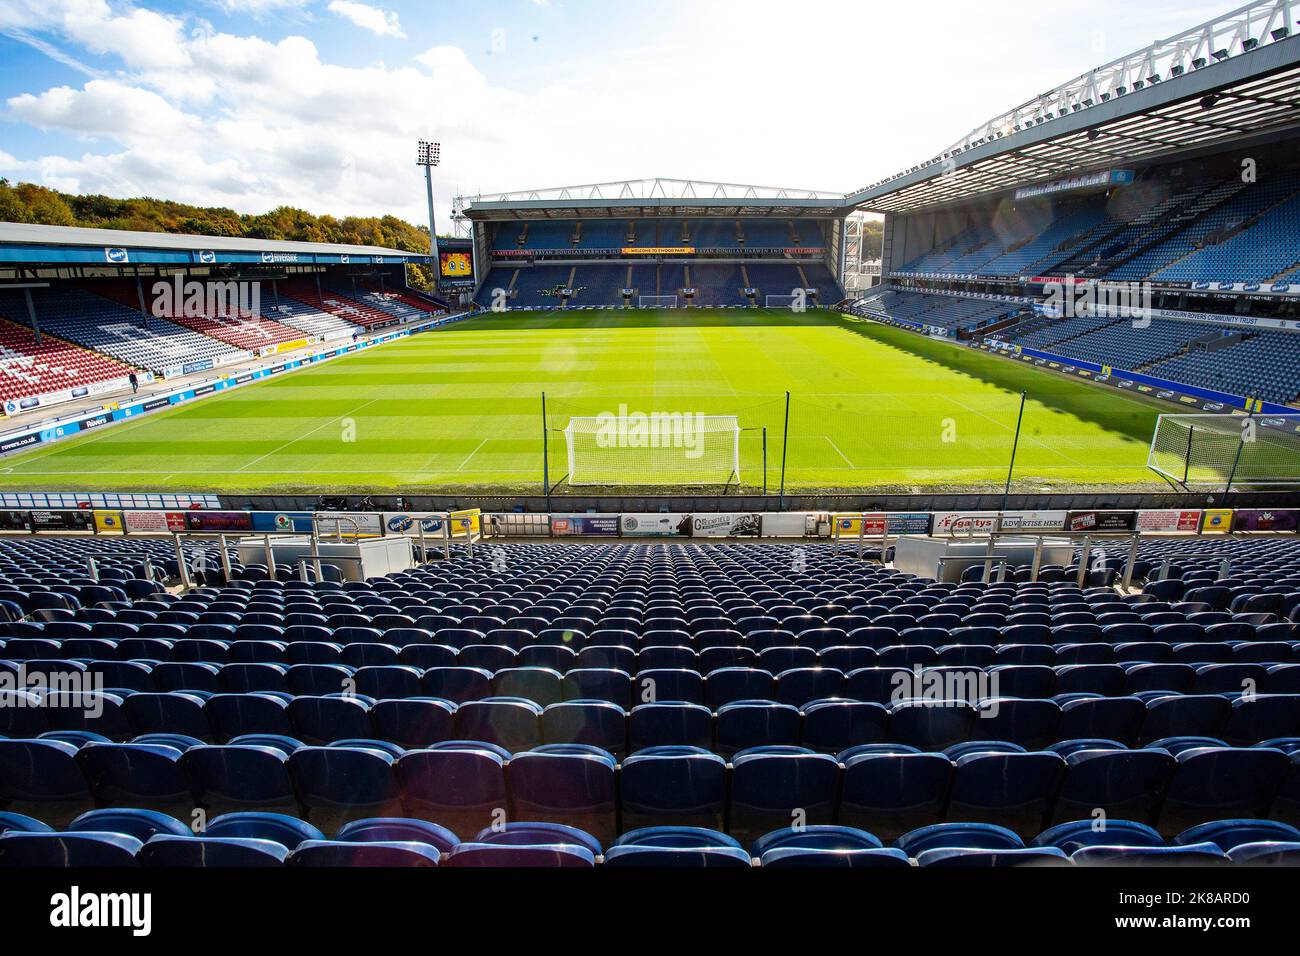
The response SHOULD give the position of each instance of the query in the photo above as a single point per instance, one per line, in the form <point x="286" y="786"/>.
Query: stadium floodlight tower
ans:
<point x="428" y="155"/>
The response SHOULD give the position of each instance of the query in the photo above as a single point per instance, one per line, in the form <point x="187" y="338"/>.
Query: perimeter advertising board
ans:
<point x="651" y="525"/>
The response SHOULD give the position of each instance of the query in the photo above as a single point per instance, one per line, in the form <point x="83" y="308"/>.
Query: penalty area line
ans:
<point x="838" y="452"/>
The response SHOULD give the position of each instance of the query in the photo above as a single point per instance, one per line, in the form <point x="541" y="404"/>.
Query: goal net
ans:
<point x="653" y="448"/>
<point x="800" y="300"/>
<point x="657" y="301"/>
<point x="1211" y="451"/>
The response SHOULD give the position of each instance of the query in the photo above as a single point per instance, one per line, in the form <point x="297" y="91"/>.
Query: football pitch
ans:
<point x="460" y="409"/>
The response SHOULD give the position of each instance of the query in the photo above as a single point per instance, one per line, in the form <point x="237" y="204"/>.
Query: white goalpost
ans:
<point x="653" y="448"/>
<point x="786" y="301"/>
<point x="1218" y="451"/>
<point x="657" y="301"/>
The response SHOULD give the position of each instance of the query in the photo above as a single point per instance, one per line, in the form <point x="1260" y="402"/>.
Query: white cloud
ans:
<point x="380" y="22"/>
<point x="258" y="8"/>
<point x="252" y="123"/>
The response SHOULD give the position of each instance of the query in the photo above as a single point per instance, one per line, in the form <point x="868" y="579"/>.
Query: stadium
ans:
<point x="663" y="530"/>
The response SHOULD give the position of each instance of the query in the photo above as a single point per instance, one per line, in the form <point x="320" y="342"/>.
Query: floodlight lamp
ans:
<point x="427" y="153"/>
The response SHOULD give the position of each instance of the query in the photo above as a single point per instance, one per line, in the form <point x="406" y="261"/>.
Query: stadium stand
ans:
<point x="307" y="319"/>
<point x="402" y="308"/>
<point x="946" y="312"/>
<point x="336" y="303"/>
<point x="123" y="333"/>
<point x="535" y="285"/>
<point x="28" y="368"/>
<point x="250" y="332"/>
<point x="777" y="689"/>
<point x="718" y="284"/>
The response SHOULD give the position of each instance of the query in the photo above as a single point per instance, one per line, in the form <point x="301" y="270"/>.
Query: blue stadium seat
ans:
<point x="572" y="784"/>
<point x="774" y="786"/>
<point x="82" y="849"/>
<point x="673" y="785"/>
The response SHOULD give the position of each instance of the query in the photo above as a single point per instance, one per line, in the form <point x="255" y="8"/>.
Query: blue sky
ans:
<point x="318" y="103"/>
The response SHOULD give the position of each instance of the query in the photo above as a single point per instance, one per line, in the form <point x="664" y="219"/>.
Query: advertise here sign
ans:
<point x="987" y="522"/>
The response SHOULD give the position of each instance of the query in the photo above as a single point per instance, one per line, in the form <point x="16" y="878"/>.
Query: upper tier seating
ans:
<point x="1268" y="246"/>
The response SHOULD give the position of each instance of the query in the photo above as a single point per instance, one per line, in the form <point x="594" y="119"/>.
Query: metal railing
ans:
<point x="1087" y="539"/>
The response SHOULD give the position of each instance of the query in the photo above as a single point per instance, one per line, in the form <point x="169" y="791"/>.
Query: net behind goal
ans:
<point x="654" y="448"/>
<point x="657" y="301"/>
<point x="800" y="301"/>
<point x="1209" y="451"/>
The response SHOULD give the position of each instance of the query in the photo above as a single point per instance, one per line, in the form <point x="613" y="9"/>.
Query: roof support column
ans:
<point x="144" y="312"/>
<point x="31" y="314"/>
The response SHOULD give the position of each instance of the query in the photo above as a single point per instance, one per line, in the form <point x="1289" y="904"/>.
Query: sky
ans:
<point x="318" y="104"/>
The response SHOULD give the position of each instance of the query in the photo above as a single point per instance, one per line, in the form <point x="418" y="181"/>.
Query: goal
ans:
<point x="653" y="448"/>
<point x="657" y="301"/>
<point x="1216" y="451"/>
<point x="799" y="300"/>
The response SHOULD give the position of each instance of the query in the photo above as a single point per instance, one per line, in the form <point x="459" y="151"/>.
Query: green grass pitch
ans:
<point x="459" y="409"/>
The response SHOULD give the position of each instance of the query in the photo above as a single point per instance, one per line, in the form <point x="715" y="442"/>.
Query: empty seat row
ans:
<point x="468" y="785"/>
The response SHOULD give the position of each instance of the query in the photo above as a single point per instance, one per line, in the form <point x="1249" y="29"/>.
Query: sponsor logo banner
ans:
<point x="159" y="522"/>
<point x="466" y="522"/>
<point x="598" y="525"/>
<point x="62" y="520"/>
<point x="1266" y="519"/>
<point x="722" y="525"/>
<point x="350" y="523"/>
<point x="1217" y="521"/>
<point x="651" y="525"/>
<point x="282" y="521"/>
<point x="897" y="522"/>
<point x="108" y="521"/>
<point x="219" y="520"/>
<point x="1101" y="521"/>
<point x="1189" y="521"/>
<point x="411" y="523"/>
<point x="985" y="522"/>
<point x="15" y="521"/>
<point x="20" y="442"/>
<point x="658" y="250"/>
